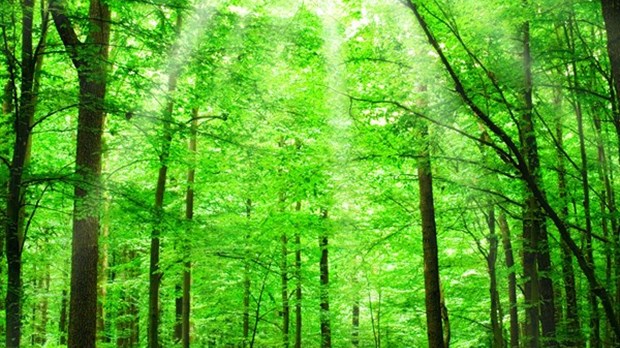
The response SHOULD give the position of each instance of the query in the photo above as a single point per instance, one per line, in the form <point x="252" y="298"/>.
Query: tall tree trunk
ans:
<point x="355" y="331"/>
<point x="512" y="281"/>
<point x="62" y="322"/>
<point x="90" y="61"/>
<point x="496" y="327"/>
<point x="595" y="339"/>
<point x="155" y="274"/>
<point x="298" y="292"/>
<point x="246" y="278"/>
<point x="432" y="289"/>
<point x="31" y="62"/>
<point x="539" y="295"/>
<point x="189" y="216"/>
<point x="573" y="327"/>
<point x="611" y="16"/>
<point x="104" y="263"/>
<point x="326" y="333"/>
<point x="284" y="289"/>
<point x="530" y="223"/>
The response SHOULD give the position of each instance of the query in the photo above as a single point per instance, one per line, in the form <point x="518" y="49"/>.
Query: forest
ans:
<point x="309" y="173"/>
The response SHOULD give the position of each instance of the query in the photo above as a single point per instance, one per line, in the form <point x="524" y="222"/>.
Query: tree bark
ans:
<point x="355" y="331"/>
<point x="62" y="322"/>
<point x="496" y="327"/>
<point x="90" y="60"/>
<point x="298" y="292"/>
<point x="189" y="216"/>
<point x="573" y="327"/>
<point x="431" y="261"/>
<point x="512" y="281"/>
<point x="286" y="309"/>
<point x="155" y="274"/>
<point x="247" y="283"/>
<point x="31" y="62"/>
<point x="326" y="332"/>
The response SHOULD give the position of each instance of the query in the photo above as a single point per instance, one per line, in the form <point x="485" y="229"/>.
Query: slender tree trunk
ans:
<point x="284" y="290"/>
<point x="189" y="216"/>
<point x="355" y="331"/>
<point x="89" y="59"/>
<point x="326" y="333"/>
<point x="573" y="327"/>
<point x="31" y="63"/>
<point x="496" y="327"/>
<point x="429" y="241"/>
<point x="611" y="16"/>
<point x="246" y="278"/>
<point x="62" y="322"/>
<point x="512" y="282"/>
<point x="530" y="223"/>
<point x="298" y="292"/>
<point x="536" y="258"/>
<point x="595" y="339"/>
<point x="155" y="274"/>
<point x="104" y="264"/>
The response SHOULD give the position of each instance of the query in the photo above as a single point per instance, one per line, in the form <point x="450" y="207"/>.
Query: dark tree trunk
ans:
<point x="355" y="331"/>
<point x="155" y="274"/>
<point x="326" y="333"/>
<point x="496" y="324"/>
<point x="104" y="265"/>
<point x="91" y="64"/>
<point x="531" y="224"/>
<point x="512" y="282"/>
<point x="189" y="216"/>
<point x="536" y="258"/>
<point x="286" y="310"/>
<point x="611" y="16"/>
<point x="429" y="241"/>
<point x="62" y="322"/>
<point x="298" y="292"/>
<point x="246" y="278"/>
<point x="24" y="109"/>
<point x="595" y="339"/>
<point x="573" y="327"/>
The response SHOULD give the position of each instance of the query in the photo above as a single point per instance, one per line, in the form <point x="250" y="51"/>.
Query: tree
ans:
<point x="91" y="66"/>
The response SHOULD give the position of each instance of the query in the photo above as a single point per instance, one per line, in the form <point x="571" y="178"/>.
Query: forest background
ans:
<point x="309" y="173"/>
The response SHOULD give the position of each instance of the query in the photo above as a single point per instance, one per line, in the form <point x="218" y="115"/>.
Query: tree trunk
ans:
<point x="189" y="216"/>
<point x="155" y="274"/>
<point x="531" y="224"/>
<point x="355" y="331"/>
<point x="496" y="326"/>
<point x="15" y="213"/>
<point x="91" y="64"/>
<point x="104" y="264"/>
<point x="611" y="16"/>
<point x="298" y="292"/>
<point x="246" y="279"/>
<point x="429" y="241"/>
<point x="62" y="322"/>
<point x="284" y="290"/>
<point x="512" y="282"/>
<point x="595" y="339"/>
<point x="326" y="333"/>
<point x="573" y="327"/>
